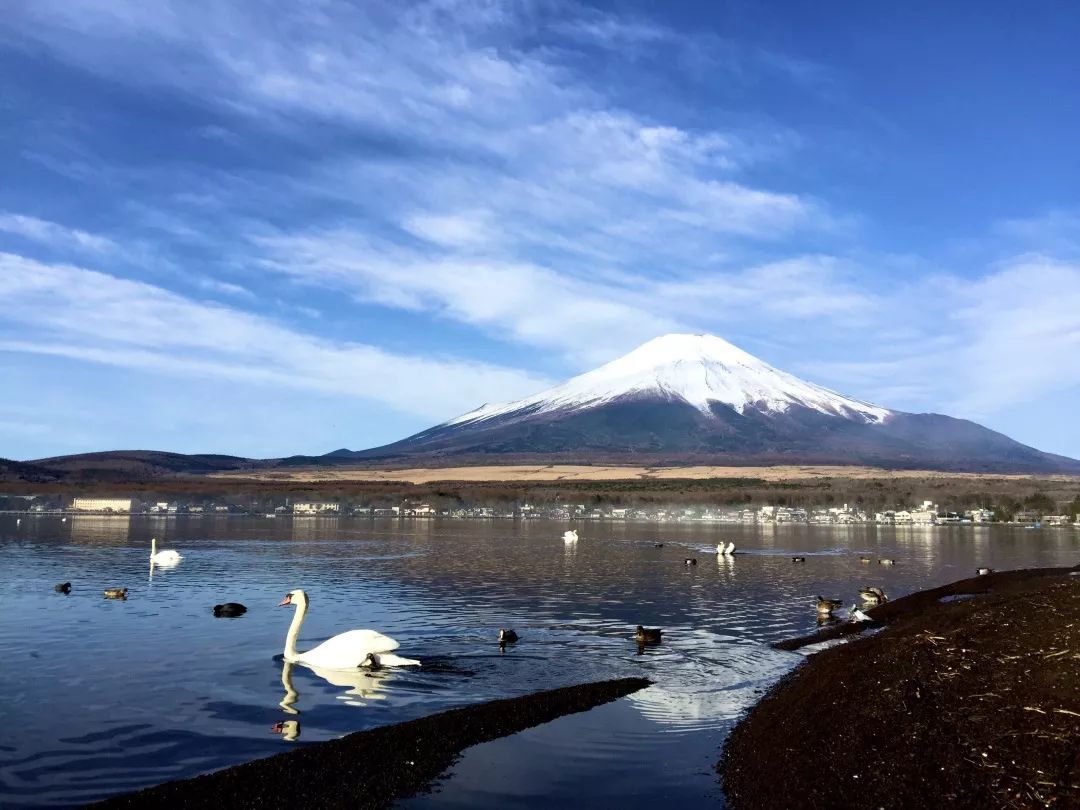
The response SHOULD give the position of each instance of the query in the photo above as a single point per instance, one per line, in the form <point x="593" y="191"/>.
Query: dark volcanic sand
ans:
<point x="972" y="703"/>
<point x="373" y="768"/>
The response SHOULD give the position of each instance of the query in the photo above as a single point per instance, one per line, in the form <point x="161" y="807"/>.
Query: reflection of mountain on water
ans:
<point x="711" y="685"/>
<point x="361" y="685"/>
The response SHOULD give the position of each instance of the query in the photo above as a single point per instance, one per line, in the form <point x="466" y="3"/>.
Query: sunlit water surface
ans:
<point x="108" y="696"/>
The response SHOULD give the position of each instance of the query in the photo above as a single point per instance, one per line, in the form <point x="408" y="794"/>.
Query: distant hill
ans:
<point x="699" y="399"/>
<point x="122" y="465"/>
<point x="23" y="471"/>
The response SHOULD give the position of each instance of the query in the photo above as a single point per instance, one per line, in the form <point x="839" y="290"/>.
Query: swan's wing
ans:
<point x="349" y="649"/>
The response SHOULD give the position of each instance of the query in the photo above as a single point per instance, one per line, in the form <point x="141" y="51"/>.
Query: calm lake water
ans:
<point x="107" y="696"/>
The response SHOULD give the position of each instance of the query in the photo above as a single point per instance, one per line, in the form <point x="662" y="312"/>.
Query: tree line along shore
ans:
<point x="1006" y="496"/>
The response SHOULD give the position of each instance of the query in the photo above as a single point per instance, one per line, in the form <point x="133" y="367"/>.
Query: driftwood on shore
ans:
<point x="968" y="703"/>
<point x="370" y="769"/>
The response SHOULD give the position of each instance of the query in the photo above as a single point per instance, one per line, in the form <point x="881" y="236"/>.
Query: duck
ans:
<point x="507" y="636"/>
<point x="864" y="560"/>
<point x="349" y="650"/>
<point x="690" y="561"/>
<point x="648" y="635"/>
<point x="63" y="587"/>
<point x="116" y="593"/>
<point x="657" y="545"/>
<point x="164" y="557"/>
<point x="886" y="562"/>
<point x="230" y="610"/>
<point x="982" y="572"/>
<point x="570" y="536"/>
<point x="873" y="595"/>
<point x="725" y="549"/>
<point x="798" y="559"/>
<point x="825" y="607"/>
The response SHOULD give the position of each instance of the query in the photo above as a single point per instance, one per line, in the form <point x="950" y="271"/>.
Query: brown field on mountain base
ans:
<point x="569" y="472"/>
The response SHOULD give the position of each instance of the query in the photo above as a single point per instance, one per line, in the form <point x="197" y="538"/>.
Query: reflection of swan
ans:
<point x="361" y="685"/>
<point x="570" y="536"/>
<point x="288" y="729"/>
<point x="165" y="557"/>
<point x="344" y="651"/>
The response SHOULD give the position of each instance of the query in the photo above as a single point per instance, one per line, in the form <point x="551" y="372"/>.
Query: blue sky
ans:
<point x="277" y="227"/>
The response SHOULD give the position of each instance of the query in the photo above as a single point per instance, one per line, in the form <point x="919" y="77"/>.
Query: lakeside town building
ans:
<point x="316" y="508"/>
<point x="124" y="505"/>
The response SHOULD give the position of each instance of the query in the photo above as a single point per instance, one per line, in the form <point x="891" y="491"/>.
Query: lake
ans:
<point x="107" y="696"/>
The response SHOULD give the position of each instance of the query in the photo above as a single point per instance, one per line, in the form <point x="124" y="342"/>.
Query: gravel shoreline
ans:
<point x="370" y="769"/>
<point x="970" y="702"/>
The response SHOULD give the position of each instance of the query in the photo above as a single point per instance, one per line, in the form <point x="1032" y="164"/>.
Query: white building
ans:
<point x="315" y="508"/>
<point x="981" y="515"/>
<point x="1056" y="520"/>
<point x="102" y="504"/>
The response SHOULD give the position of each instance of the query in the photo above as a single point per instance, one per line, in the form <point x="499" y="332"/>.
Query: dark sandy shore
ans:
<point x="973" y="702"/>
<point x="373" y="768"/>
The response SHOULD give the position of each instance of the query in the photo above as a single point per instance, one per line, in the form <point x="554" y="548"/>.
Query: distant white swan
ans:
<point x="570" y="536"/>
<point x="349" y="650"/>
<point x="167" y="556"/>
<point x="722" y="549"/>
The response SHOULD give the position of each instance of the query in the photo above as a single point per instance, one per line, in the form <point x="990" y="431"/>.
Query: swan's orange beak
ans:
<point x="286" y="601"/>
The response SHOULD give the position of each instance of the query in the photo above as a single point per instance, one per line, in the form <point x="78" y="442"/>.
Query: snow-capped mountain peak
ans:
<point x="697" y="369"/>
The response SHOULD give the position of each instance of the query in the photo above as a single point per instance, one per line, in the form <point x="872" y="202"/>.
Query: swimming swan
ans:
<point x="570" y="536"/>
<point x="167" y="557"/>
<point x="728" y="549"/>
<point x="349" y="650"/>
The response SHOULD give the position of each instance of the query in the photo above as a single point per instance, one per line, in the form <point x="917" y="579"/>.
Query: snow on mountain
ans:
<point x="697" y="369"/>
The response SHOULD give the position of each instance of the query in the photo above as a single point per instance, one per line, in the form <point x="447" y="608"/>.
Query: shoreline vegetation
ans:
<point x="373" y="768"/>
<point x="968" y="698"/>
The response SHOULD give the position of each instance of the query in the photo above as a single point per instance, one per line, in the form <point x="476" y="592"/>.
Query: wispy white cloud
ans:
<point x="523" y="302"/>
<point x="54" y="234"/>
<point x="64" y="310"/>
<point x="975" y="347"/>
<point x="223" y="287"/>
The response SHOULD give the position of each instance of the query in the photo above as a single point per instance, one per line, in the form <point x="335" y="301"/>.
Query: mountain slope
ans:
<point x="139" y="464"/>
<point x="683" y="398"/>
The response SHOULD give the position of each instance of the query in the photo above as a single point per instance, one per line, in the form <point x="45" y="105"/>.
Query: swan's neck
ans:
<point x="153" y="546"/>
<point x="294" y="632"/>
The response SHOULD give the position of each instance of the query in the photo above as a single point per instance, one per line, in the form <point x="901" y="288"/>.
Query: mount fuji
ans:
<point x="699" y="399"/>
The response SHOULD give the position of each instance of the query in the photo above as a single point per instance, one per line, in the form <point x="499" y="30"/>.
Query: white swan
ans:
<point x="722" y="549"/>
<point x="570" y="536"/>
<point x="168" y="556"/>
<point x="349" y="650"/>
